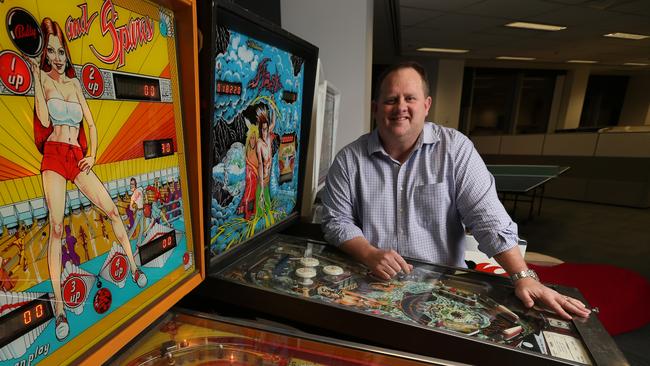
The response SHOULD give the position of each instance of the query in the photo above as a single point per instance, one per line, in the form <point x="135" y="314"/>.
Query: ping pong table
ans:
<point x="524" y="180"/>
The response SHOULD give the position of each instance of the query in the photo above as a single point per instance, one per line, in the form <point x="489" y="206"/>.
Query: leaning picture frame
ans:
<point x="330" y="125"/>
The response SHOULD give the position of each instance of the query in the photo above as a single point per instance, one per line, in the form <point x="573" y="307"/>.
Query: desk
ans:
<point x="524" y="180"/>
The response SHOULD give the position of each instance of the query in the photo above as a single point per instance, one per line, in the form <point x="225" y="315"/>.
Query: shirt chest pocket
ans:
<point x="431" y="202"/>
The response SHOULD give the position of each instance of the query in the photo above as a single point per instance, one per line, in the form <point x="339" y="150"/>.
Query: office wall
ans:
<point x="342" y="30"/>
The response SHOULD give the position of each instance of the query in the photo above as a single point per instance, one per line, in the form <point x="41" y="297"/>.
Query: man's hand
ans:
<point x="530" y="291"/>
<point x="384" y="264"/>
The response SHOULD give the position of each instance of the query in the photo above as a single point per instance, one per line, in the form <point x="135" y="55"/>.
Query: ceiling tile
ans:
<point x="510" y="9"/>
<point x="639" y="7"/>
<point x="443" y="5"/>
<point x="413" y="16"/>
<point x="479" y="27"/>
<point x="571" y="16"/>
<point x="463" y="23"/>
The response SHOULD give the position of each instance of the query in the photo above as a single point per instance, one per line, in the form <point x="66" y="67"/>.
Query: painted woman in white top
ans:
<point x="59" y="107"/>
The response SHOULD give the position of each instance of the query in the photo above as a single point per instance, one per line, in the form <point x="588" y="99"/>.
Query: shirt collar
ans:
<point x="429" y="135"/>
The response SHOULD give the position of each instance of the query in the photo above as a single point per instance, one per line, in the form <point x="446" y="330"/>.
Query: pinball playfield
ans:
<point x="472" y="309"/>
<point x="184" y="337"/>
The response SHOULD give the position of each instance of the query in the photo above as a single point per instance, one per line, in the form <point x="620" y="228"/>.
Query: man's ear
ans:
<point x="427" y="104"/>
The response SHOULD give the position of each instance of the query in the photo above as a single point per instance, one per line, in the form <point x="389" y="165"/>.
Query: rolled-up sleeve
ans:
<point x="338" y="201"/>
<point x="478" y="202"/>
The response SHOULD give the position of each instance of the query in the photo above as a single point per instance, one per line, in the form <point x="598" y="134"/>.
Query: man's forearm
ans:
<point x="359" y="248"/>
<point x="511" y="260"/>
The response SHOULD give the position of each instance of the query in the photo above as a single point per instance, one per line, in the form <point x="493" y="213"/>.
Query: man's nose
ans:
<point x="401" y="103"/>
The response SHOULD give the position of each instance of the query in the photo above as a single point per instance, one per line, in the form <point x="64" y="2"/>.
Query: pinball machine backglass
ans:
<point x="94" y="201"/>
<point x="257" y="101"/>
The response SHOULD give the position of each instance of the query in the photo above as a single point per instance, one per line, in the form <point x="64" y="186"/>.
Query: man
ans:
<point x="409" y="186"/>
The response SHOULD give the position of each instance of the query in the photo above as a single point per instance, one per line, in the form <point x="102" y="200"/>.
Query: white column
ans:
<point x="636" y="107"/>
<point x="342" y="30"/>
<point x="447" y="92"/>
<point x="575" y="87"/>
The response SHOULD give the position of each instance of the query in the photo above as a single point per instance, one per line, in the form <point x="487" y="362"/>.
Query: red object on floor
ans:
<point x="621" y="295"/>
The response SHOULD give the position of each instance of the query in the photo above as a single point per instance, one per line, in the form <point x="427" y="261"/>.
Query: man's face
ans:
<point x="401" y="106"/>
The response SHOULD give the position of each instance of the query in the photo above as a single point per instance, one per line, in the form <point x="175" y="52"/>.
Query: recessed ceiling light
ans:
<point x="535" y="26"/>
<point x="515" y="58"/>
<point x="635" y="64"/>
<point x="445" y="50"/>
<point x="626" y="35"/>
<point x="582" y="61"/>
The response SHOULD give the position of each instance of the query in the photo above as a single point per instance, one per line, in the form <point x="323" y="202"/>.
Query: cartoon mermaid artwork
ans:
<point x="247" y="205"/>
<point x="59" y="108"/>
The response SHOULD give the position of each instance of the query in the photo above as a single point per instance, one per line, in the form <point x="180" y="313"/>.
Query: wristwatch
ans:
<point x="523" y="274"/>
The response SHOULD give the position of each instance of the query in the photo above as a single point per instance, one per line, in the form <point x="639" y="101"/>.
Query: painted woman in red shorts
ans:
<point x="59" y="107"/>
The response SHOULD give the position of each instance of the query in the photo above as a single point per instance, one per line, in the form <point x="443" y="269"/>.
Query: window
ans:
<point x="491" y="102"/>
<point x="603" y="100"/>
<point x="535" y="103"/>
<point x="506" y="101"/>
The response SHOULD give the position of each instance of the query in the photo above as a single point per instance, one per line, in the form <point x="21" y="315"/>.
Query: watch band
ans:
<point x="523" y="274"/>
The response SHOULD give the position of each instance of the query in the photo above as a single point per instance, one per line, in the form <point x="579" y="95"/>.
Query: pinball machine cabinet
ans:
<point x="99" y="121"/>
<point x="185" y="337"/>
<point x="257" y="94"/>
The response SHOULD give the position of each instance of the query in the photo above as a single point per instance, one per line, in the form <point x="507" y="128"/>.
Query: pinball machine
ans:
<point x="258" y="99"/>
<point x="99" y="148"/>
<point x="183" y="337"/>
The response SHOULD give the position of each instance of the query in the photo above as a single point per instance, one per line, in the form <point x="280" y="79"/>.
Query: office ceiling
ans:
<point x="402" y="26"/>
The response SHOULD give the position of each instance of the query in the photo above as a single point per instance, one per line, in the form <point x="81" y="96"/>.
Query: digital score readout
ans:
<point x="135" y="87"/>
<point x="158" y="148"/>
<point x="25" y="319"/>
<point x="157" y="247"/>
<point x="229" y="88"/>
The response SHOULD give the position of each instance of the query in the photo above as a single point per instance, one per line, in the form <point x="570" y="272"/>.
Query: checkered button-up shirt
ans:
<point x="417" y="208"/>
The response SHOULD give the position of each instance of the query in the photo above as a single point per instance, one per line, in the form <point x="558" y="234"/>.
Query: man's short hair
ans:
<point x="404" y="65"/>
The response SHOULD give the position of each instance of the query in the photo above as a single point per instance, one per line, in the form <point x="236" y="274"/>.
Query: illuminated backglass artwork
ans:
<point x="256" y="135"/>
<point x="92" y="184"/>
